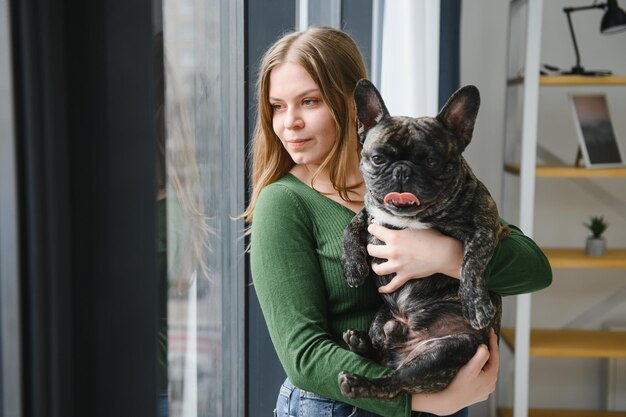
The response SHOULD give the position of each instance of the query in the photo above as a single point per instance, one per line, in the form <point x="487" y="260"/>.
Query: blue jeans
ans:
<point x="162" y="405"/>
<point x="294" y="402"/>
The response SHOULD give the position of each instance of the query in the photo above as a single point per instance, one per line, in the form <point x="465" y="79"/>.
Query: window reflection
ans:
<point x="196" y="216"/>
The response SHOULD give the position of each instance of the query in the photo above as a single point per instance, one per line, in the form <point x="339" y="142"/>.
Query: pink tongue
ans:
<point x="402" y="198"/>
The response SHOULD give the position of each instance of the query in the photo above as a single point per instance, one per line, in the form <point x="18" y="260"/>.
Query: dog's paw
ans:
<point x="356" y="273"/>
<point x="479" y="312"/>
<point x="357" y="340"/>
<point x="352" y="386"/>
<point x="478" y="309"/>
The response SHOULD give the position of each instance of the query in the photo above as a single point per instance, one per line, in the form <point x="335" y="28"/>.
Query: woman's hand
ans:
<point x="412" y="253"/>
<point x="473" y="383"/>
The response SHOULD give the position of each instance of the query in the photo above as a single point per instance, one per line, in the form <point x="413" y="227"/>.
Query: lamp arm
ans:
<point x="568" y="11"/>
<point x="571" y="31"/>
<point x="577" y="9"/>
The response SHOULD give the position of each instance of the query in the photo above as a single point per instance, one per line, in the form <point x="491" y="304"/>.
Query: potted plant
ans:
<point x="596" y="244"/>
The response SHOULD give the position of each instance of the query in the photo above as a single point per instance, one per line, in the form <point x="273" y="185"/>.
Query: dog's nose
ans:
<point x="401" y="174"/>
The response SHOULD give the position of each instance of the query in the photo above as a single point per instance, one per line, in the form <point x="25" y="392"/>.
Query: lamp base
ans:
<point x="581" y="71"/>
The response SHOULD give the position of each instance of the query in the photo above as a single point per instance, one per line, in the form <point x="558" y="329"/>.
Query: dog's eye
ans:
<point x="377" y="159"/>
<point x="432" y="162"/>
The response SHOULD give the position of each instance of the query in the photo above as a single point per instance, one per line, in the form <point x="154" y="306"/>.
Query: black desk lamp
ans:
<point x="613" y="21"/>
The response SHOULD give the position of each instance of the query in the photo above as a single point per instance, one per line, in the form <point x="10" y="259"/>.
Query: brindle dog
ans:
<point x="416" y="178"/>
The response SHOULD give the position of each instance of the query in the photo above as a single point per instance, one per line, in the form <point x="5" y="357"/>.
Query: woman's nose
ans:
<point x="293" y="119"/>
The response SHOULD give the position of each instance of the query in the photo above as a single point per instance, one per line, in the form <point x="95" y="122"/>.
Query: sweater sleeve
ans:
<point x="518" y="266"/>
<point x="287" y="279"/>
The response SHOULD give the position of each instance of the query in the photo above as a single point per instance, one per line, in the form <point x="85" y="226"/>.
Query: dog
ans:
<point x="416" y="177"/>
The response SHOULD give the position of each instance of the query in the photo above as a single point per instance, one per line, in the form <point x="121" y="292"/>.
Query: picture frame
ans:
<point x="597" y="138"/>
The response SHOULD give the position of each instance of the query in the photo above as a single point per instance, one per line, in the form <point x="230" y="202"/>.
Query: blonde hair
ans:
<point x="334" y="62"/>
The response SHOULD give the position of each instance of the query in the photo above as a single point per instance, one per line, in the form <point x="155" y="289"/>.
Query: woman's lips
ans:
<point x="297" y="143"/>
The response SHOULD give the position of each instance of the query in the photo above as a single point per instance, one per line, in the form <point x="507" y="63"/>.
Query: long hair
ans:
<point x="178" y="178"/>
<point x="334" y="62"/>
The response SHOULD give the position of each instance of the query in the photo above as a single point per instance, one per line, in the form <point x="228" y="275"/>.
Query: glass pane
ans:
<point x="10" y="338"/>
<point x="200" y="163"/>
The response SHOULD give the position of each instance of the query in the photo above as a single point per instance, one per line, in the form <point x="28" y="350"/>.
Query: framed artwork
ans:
<point x="597" y="138"/>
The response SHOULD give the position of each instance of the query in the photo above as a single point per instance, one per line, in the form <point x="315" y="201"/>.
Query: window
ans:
<point x="202" y="190"/>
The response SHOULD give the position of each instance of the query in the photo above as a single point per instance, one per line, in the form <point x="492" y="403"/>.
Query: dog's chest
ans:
<point x="379" y="216"/>
<point x="430" y="290"/>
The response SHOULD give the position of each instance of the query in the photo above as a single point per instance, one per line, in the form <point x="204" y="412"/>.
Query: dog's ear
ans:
<point x="370" y="107"/>
<point x="459" y="113"/>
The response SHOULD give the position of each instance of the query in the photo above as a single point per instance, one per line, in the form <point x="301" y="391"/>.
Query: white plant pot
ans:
<point x="596" y="246"/>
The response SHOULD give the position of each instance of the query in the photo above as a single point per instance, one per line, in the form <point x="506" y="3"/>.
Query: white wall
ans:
<point x="576" y="297"/>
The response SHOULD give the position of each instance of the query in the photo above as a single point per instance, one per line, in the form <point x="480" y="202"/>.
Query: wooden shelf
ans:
<point x="582" y="80"/>
<point x="556" y="80"/>
<point x="556" y="171"/>
<point x="577" y="258"/>
<point x="572" y="343"/>
<point x="545" y="412"/>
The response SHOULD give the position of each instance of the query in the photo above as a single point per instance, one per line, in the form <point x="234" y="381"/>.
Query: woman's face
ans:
<point x="300" y="118"/>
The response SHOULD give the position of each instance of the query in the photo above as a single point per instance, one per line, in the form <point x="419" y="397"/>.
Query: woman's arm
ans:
<point x="293" y="297"/>
<point x="517" y="266"/>
<point x="474" y="383"/>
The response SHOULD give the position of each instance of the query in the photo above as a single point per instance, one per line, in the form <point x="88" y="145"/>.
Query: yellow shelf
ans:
<point x="556" y="171"/>
<point x="582" y="80"/>
<point x="545" y="412"/>
<point x="552" y="80"/>
<point x="572" y="343"/>
<point x="577" y="258"/>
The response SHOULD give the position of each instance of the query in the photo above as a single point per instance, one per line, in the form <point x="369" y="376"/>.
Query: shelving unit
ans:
<point x="554" y="171"/>
<point x="577" y="258"/>
<point x="543" y="412"/>
<point x="523" y="91"/>
<point x="572" y="343"/>
<point x="561" y="80"/>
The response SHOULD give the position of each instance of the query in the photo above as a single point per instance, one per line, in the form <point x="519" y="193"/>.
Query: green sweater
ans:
<point x="296" y="248"/>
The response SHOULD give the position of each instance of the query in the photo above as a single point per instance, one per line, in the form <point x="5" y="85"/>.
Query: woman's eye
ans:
<point x="377" y="159"/>
<point x="310" y="101"/>
<point x="276" y="106"/>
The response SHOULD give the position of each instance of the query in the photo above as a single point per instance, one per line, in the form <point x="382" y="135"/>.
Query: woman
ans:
<point x="306" y="187"/>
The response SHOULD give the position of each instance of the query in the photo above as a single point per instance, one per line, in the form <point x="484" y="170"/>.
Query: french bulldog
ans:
<point x="416" y="177"/>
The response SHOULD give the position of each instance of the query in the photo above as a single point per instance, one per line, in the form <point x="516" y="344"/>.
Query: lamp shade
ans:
<point x="614" y="19"/>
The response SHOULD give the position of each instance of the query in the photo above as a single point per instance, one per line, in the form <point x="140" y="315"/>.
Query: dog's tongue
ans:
<point x="400" y="199"/>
